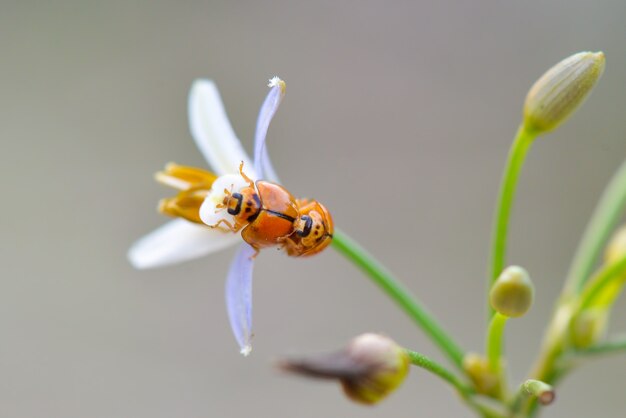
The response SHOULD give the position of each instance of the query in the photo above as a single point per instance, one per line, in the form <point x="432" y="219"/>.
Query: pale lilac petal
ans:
<point x="239" y="297"/>
<point x="262" y="162"/>
<point x="177" y="241"/>
<point x="212" y="131"/>
<point x="267" y="167"/>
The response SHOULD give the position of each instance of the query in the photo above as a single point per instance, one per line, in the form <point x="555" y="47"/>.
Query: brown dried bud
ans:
<point x="369" y="368"/>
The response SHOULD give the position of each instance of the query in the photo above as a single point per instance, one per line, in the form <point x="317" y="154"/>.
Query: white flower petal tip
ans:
<point x="210" y="211"/>
<point x="245" y="351"/>
<point x="175" y="242"/>
<point x="277" y="82"/>
<point x="212" y="131"/>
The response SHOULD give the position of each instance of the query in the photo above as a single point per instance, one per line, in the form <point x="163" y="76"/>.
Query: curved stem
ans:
<point x="604" y="218"/>
<point x="517" y="155"/>
<point x="401" y="296"/>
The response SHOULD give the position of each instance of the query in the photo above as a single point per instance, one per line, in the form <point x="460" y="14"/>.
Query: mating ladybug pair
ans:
<point x="271" y="216"/>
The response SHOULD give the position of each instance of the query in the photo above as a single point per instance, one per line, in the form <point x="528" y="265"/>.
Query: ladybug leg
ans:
<point x="246" y="178"/>
<point x="257" y="250"/>
<point x="227" y="194"/>
<point x="228" y="227"/>
<point x="290" y="246"/>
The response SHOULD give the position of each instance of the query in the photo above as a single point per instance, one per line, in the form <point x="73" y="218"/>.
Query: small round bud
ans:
<point x="561" y="90"/>
<point x="512" y="293"/>
<point x="369" y="368"/>
<point x="589" y="327"/>
<point x="387" y="364"/>
<point x="477" y="368"/>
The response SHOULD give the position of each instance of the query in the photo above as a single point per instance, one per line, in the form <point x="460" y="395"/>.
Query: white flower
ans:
<point x="181" y="240"/>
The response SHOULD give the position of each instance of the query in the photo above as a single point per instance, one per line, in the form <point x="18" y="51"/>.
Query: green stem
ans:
<point x="617" y="345"/>
<point x="464" y="390"/>
<point x="603" y="221"/>
<point x="517" y="155"/>
<point x="401" y="296"/>
<point x="432" y="366"/>
<point x="495" y="339"/>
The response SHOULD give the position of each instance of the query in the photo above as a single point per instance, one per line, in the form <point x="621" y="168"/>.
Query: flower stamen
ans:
<point x="183" y="177"/>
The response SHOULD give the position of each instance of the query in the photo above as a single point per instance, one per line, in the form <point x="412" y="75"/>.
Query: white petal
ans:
<point x="209" y="212"/>
<point x="177" y="241"/>
<point x="212" y="131"/>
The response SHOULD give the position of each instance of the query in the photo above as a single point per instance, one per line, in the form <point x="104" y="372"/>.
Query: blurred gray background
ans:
<point x="403" y="111"/>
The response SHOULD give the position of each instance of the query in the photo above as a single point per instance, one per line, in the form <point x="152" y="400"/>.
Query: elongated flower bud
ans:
<point x="617" y="246"/>
<point x="559" y="92"/>
<point x="512" y="293"/>
<point x="540" y="390"/>
<point x="589" y="327"/>
<point x="369" y="368"/>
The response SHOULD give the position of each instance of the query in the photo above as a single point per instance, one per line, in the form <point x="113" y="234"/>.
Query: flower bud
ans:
<point x="512" y="293"/>
<point x="542" y="391"/>
<point x="617" y="246"/>
<point x="589" y="327"/>
<point x="559" y="92"/>
<point x="369" y="368"/>
<point x="477" y="368"/>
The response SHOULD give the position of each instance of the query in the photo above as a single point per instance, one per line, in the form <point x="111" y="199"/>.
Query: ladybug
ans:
<point x="313" y="230"/>
<point x="268" y="215"/>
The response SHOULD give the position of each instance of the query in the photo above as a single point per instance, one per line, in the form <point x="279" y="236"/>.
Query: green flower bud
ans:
<point x="477" y="368"/>
<point x="589" y="327"/>
<point x="369" y="368"/>
<point x="542" y="391"/>
<point x="617" y="246"/>
<point x="559" y="92"/>
<point x="512" y="293"/>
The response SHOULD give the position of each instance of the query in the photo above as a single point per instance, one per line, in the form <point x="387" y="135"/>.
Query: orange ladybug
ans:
<point x="270" y="215"/>
<point x="313" y="230"/>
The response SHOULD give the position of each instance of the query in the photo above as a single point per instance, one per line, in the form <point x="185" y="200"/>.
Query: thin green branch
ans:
<point x="517" y="155"/>
<point x="420" y="360"/>
<point x="614" y="346"/>
<point x="401" y="296"/>
<point x="465" y="391"/>
<point x="495" y="341"/>
<point x="603" y="221"/>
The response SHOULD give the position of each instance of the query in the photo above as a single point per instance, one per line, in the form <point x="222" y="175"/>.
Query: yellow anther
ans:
<point x="185" y="205"/>
<point x="183" y="177"/>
